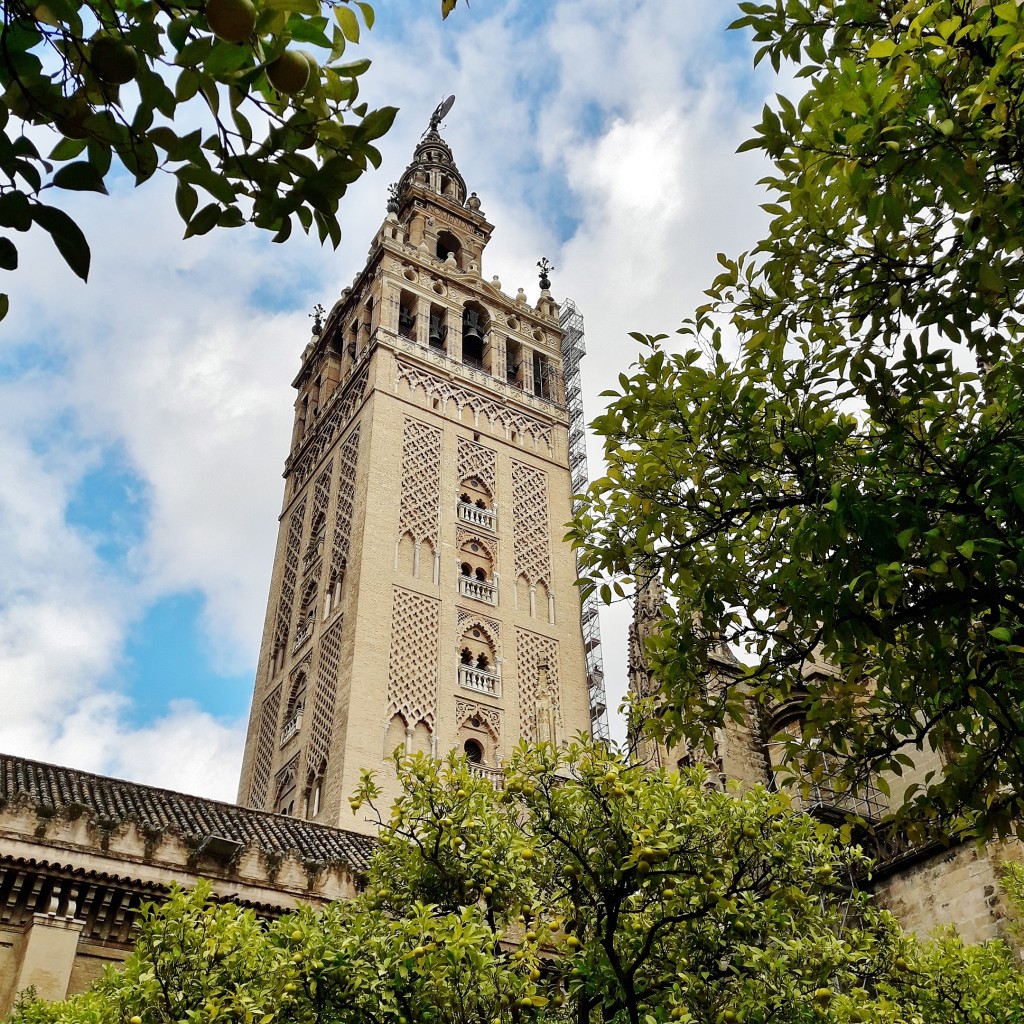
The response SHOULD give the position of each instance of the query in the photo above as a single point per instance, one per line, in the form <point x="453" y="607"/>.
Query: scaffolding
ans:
<point x="574" y="348"/>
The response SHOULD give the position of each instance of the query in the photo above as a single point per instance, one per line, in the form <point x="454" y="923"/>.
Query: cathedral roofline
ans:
<point x="53" y="792"/>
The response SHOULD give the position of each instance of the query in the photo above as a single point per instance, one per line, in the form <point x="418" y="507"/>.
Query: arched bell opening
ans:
<point x="407" y="315"/>
<point x="475" y="325"/>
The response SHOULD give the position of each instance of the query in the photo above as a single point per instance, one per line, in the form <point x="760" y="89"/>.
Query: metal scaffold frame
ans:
<point x="574" y="348"/>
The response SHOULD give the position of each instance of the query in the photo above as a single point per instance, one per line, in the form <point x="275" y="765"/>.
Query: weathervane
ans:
<point x="545" y="269"/>
<point x="438" y="115"/>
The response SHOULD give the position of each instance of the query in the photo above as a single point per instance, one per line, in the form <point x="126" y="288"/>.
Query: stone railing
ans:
<point x="302" y="634"/>
<point x="482" y="517"/>
<point x="291" y="727"/>
<point x="479" y="680"/>
<point x="478" y="590"/>
<point x="495" y="776"/>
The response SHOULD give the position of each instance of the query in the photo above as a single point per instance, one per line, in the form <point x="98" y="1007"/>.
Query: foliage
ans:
<point x="587" y="891"/>
<point x="150" y="83"/>
<point x="848" y="488"/>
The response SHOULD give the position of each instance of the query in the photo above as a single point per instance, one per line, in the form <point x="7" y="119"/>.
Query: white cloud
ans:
<point x="171" y="356"/>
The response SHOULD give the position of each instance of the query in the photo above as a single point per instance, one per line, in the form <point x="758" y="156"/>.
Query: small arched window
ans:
<point x="482" y="662"/>
<point x="474" y="752"/>
<point x="466" y="656"/>
<point x="447" y="243"/>
<point x="481" y="575"/>
<point x="467" y="569"/>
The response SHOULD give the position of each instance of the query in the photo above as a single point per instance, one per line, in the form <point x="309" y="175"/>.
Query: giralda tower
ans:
<point x="422" y="595"/>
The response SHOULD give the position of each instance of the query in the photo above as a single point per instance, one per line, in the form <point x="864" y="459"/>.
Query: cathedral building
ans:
<point x="422" y="600"/>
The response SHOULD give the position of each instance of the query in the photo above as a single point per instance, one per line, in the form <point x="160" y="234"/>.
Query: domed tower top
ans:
<point x="433" y="165"/>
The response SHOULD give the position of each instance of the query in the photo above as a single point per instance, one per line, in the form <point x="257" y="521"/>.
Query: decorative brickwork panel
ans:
<point x="291" y="570"/>
<point x="322" y="723"/>
<point x="348" y="456"/>
<point x="333" y="421"/>
<point x="477" y="461"/>
<point x="531" y="530"/>
<point x="534" y="653"/>
<point x="497" y="413"/>
<point x="421" y="481"/>
<point x="318" y="519"/>
<point x="412" y="676"/>
<point x="264" y="759"/>
<point x="287" y="777"/>
<point x="489" y="718"/>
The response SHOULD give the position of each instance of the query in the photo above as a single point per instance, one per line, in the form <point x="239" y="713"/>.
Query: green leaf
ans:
<point x="204" y="221"/>
<point x="347" y="22"/>
<point x="5" y="305"/>
<point x="378" y="123"/>
<point x="68" y="149"/>
<point x="66" y="235"/>
<point x="80" y="177"/>
<point x="186" y="199"/>
<point x="368" y="12"/>
<point x="15" y="211"/>
<point x="8" y="254"/>
<point x="881" y="49"/>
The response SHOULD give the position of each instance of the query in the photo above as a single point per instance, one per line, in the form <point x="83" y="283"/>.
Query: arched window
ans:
<point x="482" y="661"/>
<point x="474" y="752"/>
<point x="466" y="656"/>
<point x="466" y="568"/>
<point x="481" y="575"/>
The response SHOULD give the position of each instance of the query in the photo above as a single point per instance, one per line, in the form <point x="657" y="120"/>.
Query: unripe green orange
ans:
<point x="289" y="73"/>
<point x="112" y="60"/>
<point x="231" y="20"/>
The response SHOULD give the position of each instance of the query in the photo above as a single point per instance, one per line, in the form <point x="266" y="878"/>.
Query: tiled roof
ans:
<point x="109" y="802"/>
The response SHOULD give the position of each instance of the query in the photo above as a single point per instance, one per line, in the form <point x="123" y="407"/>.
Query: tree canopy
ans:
<point x="586" y="891"/>
<point x="217" y="93"/>
<point x="831" y="469"/>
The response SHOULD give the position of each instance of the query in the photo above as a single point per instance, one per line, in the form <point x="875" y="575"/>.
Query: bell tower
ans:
<point x="422" y="595"/>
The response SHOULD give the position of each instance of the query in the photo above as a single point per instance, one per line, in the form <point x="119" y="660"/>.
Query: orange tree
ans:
<point x="829" y="463"/>
<point x="222" y="94"/>
<point x="586" y="891"/>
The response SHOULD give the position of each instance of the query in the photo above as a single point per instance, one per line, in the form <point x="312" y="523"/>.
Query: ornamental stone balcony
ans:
<point x="478" y="590"/>
<point x="479" y="680"/>
<point x="291" y="727"/>
<point x="476" y="516"/>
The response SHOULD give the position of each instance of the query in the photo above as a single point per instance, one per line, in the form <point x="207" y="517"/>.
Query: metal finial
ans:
<point x="545" y="270"/>
<point x="438" y="115"/>
<point x="393" y="198"/>
<point x="318" y="318"/>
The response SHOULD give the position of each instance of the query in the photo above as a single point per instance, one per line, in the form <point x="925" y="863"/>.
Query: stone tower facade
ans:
<point x="422" y="597"/>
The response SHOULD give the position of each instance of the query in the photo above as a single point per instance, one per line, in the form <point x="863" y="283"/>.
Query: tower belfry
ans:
<point x="422" y="595"/>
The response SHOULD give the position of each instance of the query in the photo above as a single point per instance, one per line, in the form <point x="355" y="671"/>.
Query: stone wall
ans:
<point x="959" y="886"/>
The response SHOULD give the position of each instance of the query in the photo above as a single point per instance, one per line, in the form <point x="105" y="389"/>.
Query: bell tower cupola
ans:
<point x="437" y="213"/>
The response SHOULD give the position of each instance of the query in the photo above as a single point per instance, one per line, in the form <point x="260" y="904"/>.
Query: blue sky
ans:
<point x="145" y="417"/>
